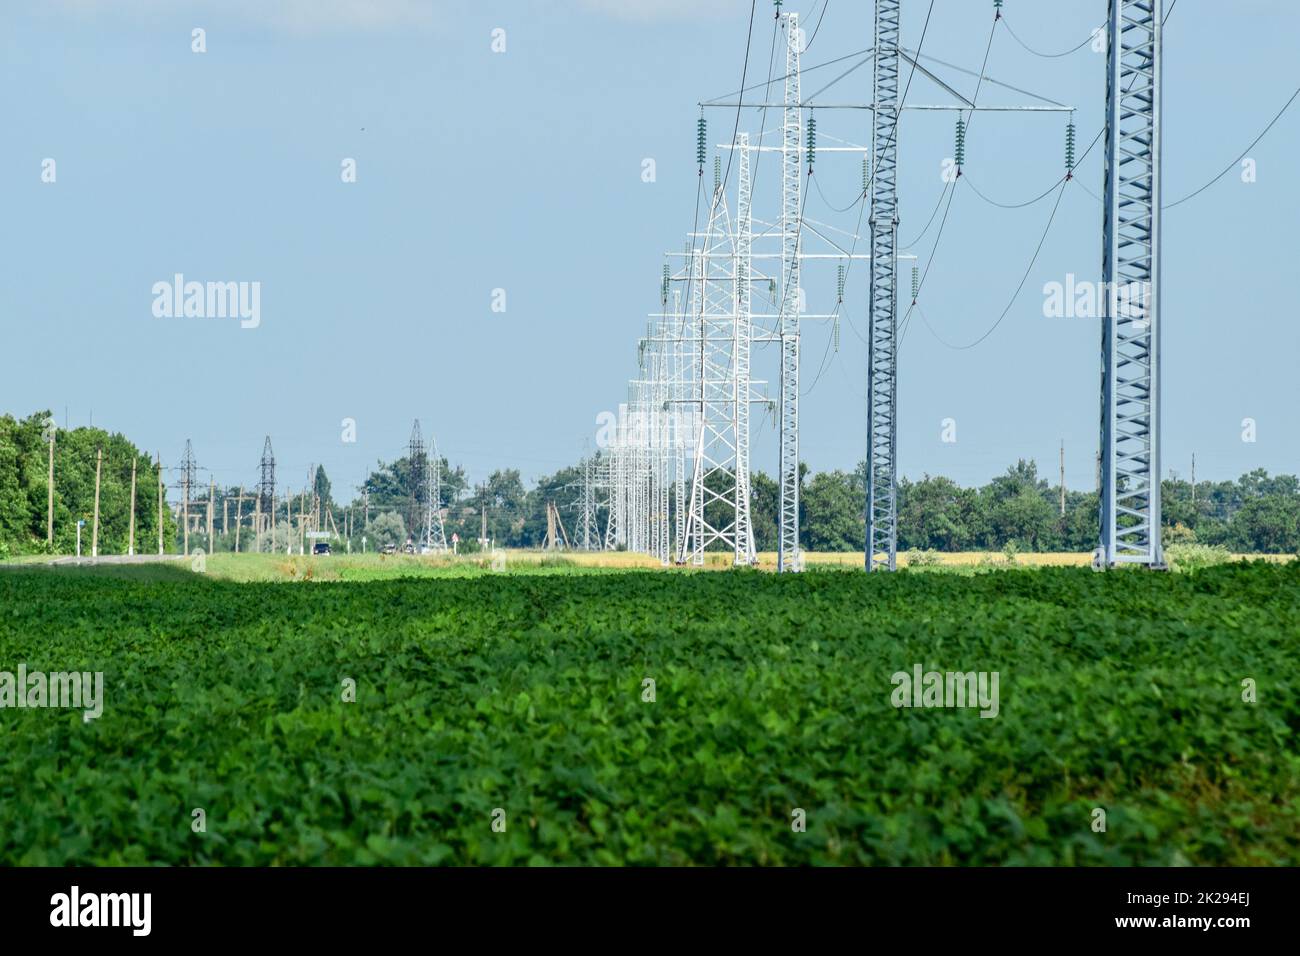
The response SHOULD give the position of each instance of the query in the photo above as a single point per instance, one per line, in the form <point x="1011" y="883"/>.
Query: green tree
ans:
<point x="833" y="513"/>
<point x="322" y="489"/>
<point x="386" y="528"/>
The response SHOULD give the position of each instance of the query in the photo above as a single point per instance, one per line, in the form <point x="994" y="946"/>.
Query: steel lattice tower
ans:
<point x="189" y="470"/>
<point x="587" y="534"/>
<point x="1130" y="342"/>
<point x="683" y="376"/>
<point x="608" y="479"/>
<point x="791" y="173"/>
<point x="882" y="394"/>
<point x="266" y="484"/>
<point x="434" y="534"/>
<point x="744" y="552"/>
<point x="719" y="506"/>
<point x="418" y="464"/>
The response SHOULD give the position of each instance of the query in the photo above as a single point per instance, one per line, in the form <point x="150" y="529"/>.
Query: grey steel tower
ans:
<point x="418" y="464"/>
<point x="882" y="385"/>
<point x="1130" y="340"/>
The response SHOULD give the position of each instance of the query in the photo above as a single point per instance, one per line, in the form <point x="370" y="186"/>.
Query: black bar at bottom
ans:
<point x="331" y="906"/>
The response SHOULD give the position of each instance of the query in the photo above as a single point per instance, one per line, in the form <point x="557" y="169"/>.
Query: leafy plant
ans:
<point x="1192" y="557"/>
<point x="523" y="690"/>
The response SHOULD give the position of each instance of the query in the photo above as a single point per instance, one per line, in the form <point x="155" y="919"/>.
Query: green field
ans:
<point x="523" y="690"/>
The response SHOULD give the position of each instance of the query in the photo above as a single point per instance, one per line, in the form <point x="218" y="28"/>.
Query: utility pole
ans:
<point x="94" y="531"/>
<point x="49" y="505"/>
<point x="212" y="491"/>
<point x="1062" y="477"/>
<point x="239" y="508"/>
<point x="130" y="538"/>
<point x="185" y="512"/>
<point x="160" y="504"/>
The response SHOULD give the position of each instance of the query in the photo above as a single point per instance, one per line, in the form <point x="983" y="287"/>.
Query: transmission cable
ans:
<point x="1023" y="279"/>
<point x="1229" y="167"/>
<point x="1050" y="56"/>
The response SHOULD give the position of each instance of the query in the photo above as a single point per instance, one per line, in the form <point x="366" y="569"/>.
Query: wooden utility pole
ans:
<point x="1062" y="477"/>
<point x="49" y="505"/>
<point x="160" y="504"/>
<point x="94" y="533"/>
<point x="130" y="535"/>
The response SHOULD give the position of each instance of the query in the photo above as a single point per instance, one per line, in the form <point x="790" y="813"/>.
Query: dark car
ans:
<point x="320" y="547"/>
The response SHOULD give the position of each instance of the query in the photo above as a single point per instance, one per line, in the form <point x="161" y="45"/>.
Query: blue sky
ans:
<point x="522" y="171"/>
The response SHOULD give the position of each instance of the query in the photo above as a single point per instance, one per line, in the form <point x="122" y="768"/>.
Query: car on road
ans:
<point x="388" y="549"/>
<point x="320" y="547"/>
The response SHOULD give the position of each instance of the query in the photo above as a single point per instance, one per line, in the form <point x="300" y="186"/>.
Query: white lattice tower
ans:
<point x="791" y="180"/>
<point x="715" y="491"/>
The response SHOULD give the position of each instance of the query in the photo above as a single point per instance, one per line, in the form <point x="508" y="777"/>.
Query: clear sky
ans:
<point x="522" y="170"/>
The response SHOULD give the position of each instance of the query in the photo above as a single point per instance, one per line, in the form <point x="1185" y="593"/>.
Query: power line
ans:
<point x="1023" y="279"/>
<point x="1229" y="167"/>
<point x="1051" y="56"/>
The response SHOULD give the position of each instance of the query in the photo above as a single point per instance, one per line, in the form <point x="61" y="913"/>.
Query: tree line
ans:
<point x="1256" y="513"/>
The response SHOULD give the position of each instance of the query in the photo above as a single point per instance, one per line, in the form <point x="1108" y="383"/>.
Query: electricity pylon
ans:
<point x="266" y="491"/>
<point x="719" y="495"/>
<point x="434" y="535"/>
<point x="1130" y="340"/>
<point x="882" y="369"/>
<point x="791" y="212"/>
<point x="418" y="466"/>
<point x="587" y="534"/>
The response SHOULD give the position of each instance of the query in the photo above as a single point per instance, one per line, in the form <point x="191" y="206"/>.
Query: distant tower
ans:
<point x="266" y="487"/>
<point x="419" y="478"/>
<point x="189" y="468"/>
<point x="587" y="534"/>
<point x="265" y="513"/>
<point x="189" y="474"/>
<point x="434" y="536"/>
